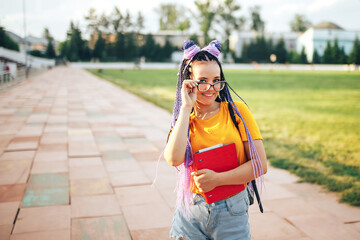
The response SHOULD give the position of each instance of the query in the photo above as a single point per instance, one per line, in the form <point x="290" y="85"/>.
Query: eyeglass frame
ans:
<point x="211" y="85"/>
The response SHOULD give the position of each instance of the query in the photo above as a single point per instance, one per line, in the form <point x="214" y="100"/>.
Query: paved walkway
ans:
<point x="78" y="155"/>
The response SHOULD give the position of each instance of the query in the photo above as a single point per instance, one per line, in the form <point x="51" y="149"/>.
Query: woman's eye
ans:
<point x="202" y="81"/>
<point x="216" y="80"/>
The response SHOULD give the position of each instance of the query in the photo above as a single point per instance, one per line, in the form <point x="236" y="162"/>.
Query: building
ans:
<point x="32" y="42"/>
<point x="238" y="39"/>
<point x="317" y="36"/>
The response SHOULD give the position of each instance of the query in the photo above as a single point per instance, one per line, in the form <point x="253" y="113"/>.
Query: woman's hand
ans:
<point x="205" y="179"/>
<point x="188" y="93"/>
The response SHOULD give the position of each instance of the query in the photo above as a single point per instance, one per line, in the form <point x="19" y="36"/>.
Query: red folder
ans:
<point x="219" y="159"/>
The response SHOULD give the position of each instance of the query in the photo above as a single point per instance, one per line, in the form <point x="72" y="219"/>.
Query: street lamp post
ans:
<point x="25" y="40"/>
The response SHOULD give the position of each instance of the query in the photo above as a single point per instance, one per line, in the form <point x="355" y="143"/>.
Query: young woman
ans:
<point x="201" y="119"/>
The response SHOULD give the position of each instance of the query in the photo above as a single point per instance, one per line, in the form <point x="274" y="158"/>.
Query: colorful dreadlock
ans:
<point x="192" y="53"/>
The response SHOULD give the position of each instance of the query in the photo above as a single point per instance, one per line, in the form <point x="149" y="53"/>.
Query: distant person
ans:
<point x="201" y="118"/>
<point x="6" y="70"/>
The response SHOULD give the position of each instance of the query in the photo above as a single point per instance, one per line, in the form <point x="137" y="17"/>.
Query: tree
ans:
<point x="195" y="39"/>
<point x="49" y="52"/>
<point x="355" y="52"/>
<point x="207" y="13"/>
<point x="167" y="50"/>
<point x="184" y="25"/>
<point x="258" y="50"/>
<point x="116" y="20"/>
<point x="335" y="52"/>
<point x="6" y="41"/>
<point x="299" y="23"/>
<point x="328" y="56"/>
<point x="343" y="59"/>
<point x="104" y="23"/>
<point x="303" y="57"/>
<point x="257" y="24"/>
<point x="74" y="48"/>
<point x="316" y="57"/>
<point x="173" y="17"/>
<point x="99" y="47"/>
<point x="130" y="47"/>
<point x="92" y="19"/>
<point x="120" y="46"/>
<point x="149" y="49"/>
<point x="244" y="52"/>
<point x="294" y="57"/>
<point x="230" y="22"/>
<point x="139" y="23"/>
<point x="280" y="51"/>
<point x="127" y="22"/>
<point x="168" y="16"/>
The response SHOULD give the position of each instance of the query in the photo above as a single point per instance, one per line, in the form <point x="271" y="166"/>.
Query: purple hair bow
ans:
<point x="191" y="49"/>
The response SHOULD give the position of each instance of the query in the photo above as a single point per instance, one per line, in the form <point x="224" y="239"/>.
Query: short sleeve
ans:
<point x="249" y="121"/>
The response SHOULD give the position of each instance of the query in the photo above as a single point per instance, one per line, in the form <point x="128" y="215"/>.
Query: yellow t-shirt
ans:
<point x="219" y="129"/>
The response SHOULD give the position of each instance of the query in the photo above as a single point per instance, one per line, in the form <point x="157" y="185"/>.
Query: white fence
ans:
<point x="256" y="66"/>
<point x="35" y="62"/>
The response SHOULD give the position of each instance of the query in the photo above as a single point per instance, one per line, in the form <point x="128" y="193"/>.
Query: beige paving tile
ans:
<point x="63" y="234"/>
<point x="323" y="226"/>
<point x="122" y="165"/>
<point x="53" y="138"/>
<point x="57" y="147"/>
<point x="129" y="178"/>
<point x="150" y="234"/>
<point x="136" y="195"/>
<point x="18" y="155"/>
<point x="80" y="187"/>
<point x="41" y="219"/>
<point x="115" y="146"/>
<point x="5" y="139"/>
<point x="8" y="212"/>
<point x="90" y="171"/>
<point x="5" y="231"/>
<point x="12" y="193"/>
<point x="109" y="228"/>
<point x="280" y="176"/>
<point x="14" y="172"/>
<point x="94" y="206"/>
<point x="84" y="162"/>
<point x="143" y="148"/>
<point x="275" y="191"/>
<point x="142" y="216"/>
<point x="290" y="207"/>
<point x="169" y="195"/>
<point x="50" y="167"/>
<point x="22" y="146"/>
<point x="83" y="149"/>
<point x="342" y="211"/>
<point x="270" y="226"/>
<point x="146" y="155"/>
<point x="50" y="156"/>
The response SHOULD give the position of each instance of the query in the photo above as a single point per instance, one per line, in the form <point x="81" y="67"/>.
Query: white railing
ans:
<point x="7" y="79"/>
<point x="19" y="57"/>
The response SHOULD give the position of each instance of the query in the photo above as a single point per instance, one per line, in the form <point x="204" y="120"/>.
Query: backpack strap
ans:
<point x="253" y="183"/>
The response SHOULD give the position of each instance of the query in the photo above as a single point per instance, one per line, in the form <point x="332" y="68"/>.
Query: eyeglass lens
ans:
<point x="218" y="86"/>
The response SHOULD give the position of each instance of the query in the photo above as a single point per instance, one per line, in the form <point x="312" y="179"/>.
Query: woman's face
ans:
<point x="206" y="72"/>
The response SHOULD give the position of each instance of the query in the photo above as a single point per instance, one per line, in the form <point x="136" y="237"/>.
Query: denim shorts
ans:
<point x="226" y="219"/>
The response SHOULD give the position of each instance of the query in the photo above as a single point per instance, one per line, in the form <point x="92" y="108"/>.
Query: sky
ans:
<point x="277" y="14"/>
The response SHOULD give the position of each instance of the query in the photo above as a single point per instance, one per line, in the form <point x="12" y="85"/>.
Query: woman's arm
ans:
<point x="174" y="152"/>
<point x="206" y="179"/>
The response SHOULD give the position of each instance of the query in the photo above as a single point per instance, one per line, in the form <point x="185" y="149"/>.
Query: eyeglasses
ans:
<point x="204" y="86"/>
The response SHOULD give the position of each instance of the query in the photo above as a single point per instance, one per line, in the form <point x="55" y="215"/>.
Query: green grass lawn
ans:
<point x="310" y="121"/>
